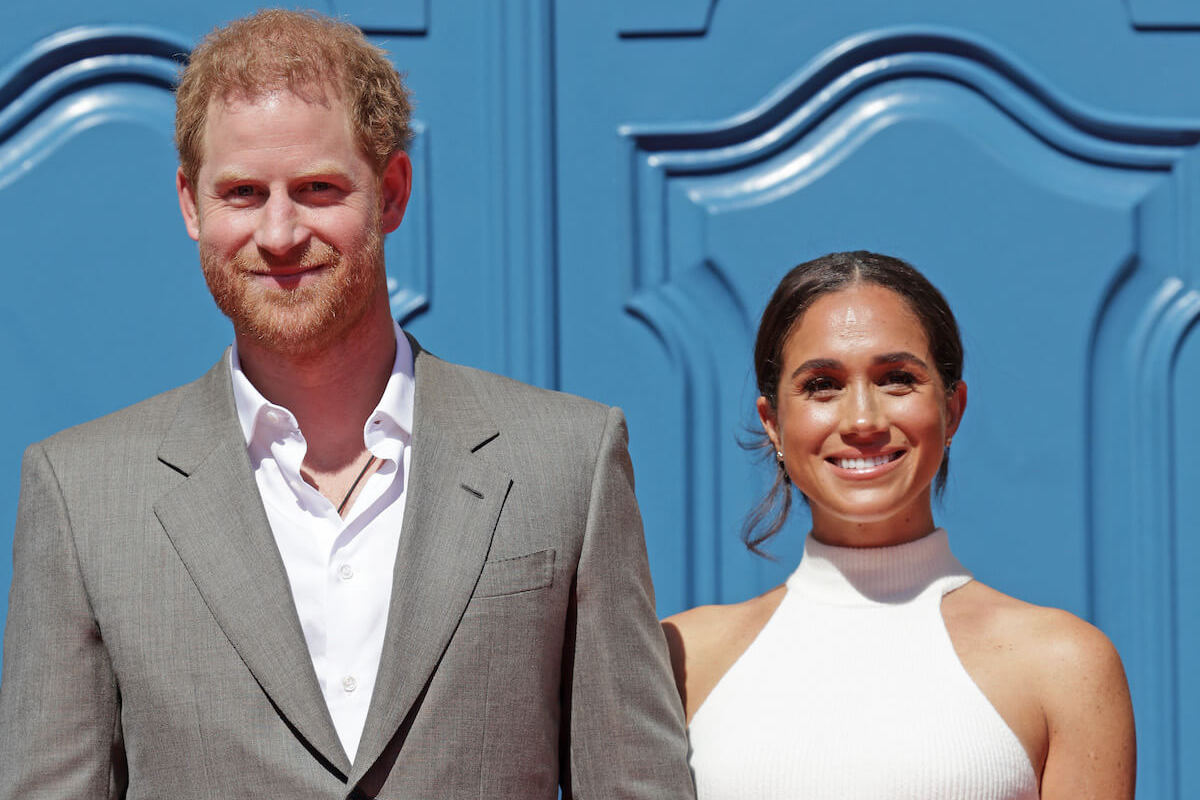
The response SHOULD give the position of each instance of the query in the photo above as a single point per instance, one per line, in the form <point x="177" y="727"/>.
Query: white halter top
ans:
<point x="853" y="690"/>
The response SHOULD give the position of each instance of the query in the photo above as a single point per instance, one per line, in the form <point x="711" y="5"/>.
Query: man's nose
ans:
<point x="862" y="414"/>
<point x="279" y="228"/>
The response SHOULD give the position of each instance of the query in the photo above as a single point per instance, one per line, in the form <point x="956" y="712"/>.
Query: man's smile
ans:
<point x="289" y="272"/>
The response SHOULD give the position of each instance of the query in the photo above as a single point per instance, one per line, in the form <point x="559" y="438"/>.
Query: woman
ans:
<point x="880" y="669"/>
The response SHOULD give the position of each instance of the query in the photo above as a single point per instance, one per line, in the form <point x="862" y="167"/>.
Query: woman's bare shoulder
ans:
<point x="1076" y="718"/>
<point x="705" y="641"/>
<point x="704" y="622"/>
<point x="1057" y="639"/>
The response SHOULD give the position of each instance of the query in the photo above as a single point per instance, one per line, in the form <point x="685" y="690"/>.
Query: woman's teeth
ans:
<point x="865" y="463"/>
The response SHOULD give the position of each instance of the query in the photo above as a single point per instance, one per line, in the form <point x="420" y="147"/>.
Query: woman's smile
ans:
<point x="860" y="467"/>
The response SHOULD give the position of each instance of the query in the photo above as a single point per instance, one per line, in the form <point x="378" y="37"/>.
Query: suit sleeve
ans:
<point x="59" y="710"/>
<point x="624" y="720"/>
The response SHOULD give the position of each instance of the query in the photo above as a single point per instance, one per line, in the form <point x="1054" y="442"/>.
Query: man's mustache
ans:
<point x="315" y="254"/>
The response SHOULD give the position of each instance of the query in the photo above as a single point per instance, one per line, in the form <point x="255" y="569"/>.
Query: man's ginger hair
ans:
<point x="305" y="53"/>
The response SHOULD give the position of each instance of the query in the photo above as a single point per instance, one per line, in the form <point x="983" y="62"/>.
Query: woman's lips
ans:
<point x="865" y="466"/>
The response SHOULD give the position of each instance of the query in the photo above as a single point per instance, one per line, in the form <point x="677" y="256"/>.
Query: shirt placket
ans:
<point x="351" y="674"/>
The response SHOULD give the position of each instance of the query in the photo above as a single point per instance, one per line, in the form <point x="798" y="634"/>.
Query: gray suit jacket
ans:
<point x="153" y="649"/>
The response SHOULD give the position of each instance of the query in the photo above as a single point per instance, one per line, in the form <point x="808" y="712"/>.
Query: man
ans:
<point x="335" y="565"/>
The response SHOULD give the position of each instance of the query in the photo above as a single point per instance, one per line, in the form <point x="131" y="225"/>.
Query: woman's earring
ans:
<point x="949" y="439"/>
<point x="779" y="456"/>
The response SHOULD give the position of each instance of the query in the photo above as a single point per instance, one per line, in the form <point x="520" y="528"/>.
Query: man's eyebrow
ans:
<point x="324" y="169"/>
<point x="231" y="176"/>
<point x="327" y="169"/>
<point x="900" y="357"/>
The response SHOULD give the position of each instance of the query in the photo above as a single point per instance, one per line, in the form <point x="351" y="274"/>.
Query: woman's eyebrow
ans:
<point x="817" y="363"/>
<point x="899" y="357"/>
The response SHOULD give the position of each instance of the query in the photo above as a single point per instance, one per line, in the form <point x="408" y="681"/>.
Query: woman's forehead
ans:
<point x="862" y="317"/>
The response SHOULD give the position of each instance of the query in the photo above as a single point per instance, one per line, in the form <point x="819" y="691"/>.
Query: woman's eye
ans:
<point x="820" y="385"/>
<point x="900" y="378"/>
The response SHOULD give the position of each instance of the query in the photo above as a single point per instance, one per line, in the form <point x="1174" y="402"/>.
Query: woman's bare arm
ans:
<point x="1089" y="717"/>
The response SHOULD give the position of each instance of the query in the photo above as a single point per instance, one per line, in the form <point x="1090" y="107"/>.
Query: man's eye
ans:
<point x="321" y="186"/>
<point x="243" y="191"/>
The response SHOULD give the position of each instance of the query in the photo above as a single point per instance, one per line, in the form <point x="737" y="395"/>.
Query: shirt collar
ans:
<point x="388" y="428"/>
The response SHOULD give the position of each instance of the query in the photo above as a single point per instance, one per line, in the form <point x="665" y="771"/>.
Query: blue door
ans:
<point x="606" y="194"/>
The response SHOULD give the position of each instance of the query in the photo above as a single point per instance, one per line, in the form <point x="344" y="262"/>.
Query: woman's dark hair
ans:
<point x="795" y="294"/>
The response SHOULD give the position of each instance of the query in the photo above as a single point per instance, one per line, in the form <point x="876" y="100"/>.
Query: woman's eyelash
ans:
<point x="819" y="384"/>
<point x="823" y="383"/>
<point x="906" y="378"/>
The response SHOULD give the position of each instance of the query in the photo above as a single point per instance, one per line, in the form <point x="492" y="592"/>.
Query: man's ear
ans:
<point x="956" y="404"/>
<point x="770" y="421"/>
<point x="187" y="204"/>
<point x="395" y="187"/>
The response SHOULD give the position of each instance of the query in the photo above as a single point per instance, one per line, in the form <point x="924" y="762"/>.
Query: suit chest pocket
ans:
<point x="513" y="575"/>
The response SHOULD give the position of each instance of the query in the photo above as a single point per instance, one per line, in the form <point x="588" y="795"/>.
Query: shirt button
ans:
<point x="345" y="572"/>
<point x="349" y="683"/>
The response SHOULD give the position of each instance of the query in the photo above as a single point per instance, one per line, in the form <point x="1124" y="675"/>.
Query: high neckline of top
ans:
<point x="872" y="576"/>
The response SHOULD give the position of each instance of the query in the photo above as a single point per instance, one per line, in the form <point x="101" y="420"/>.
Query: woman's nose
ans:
<point x="862" y="414"/>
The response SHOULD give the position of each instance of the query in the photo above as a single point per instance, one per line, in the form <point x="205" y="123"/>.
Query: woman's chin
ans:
<point x="868" y="519"/>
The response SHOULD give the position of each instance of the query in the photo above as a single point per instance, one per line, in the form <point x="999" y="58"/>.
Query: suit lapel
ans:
<point x="215" y="520"/>
<point x="452" y="506"/>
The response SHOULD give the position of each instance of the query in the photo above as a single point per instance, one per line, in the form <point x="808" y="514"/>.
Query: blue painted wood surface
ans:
<point x="605" y="194"/>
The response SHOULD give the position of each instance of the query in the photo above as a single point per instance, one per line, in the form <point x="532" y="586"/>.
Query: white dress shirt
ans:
<point x="340" y="570"/>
